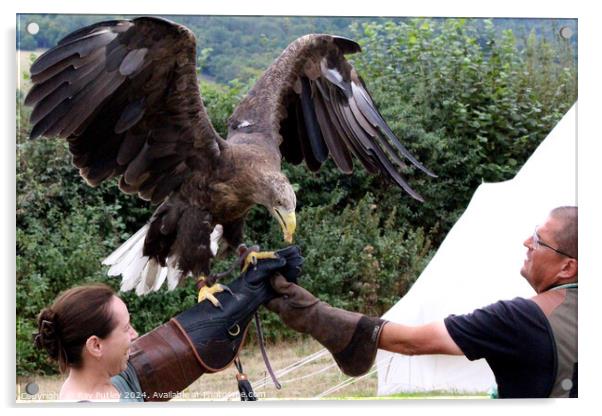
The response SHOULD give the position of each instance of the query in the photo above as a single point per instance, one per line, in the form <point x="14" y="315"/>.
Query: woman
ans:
<point x="87" y="330"/>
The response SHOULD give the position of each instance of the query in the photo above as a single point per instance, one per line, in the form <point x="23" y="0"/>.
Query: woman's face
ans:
<point x="116" y="346"/>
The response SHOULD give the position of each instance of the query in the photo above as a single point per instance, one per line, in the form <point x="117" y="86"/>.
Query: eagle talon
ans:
<point x="234" y="295"/>
<point x="207" y="292"/>
<point x="226" y="289"/>
<point x="252" y="257"/>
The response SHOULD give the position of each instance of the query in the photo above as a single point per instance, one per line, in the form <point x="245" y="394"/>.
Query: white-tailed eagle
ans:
<point x="126" y="97"/>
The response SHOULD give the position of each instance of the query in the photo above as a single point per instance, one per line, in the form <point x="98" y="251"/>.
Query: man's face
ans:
<point x="116" y="346"/>
<point x="542" y="265"/>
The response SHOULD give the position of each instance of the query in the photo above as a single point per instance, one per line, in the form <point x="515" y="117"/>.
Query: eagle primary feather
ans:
<point x="125" y="95"/>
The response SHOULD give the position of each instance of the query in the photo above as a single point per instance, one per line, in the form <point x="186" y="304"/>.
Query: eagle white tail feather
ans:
<point x="173" y="274"/>
<point x="136" y="269"/>
<point x="131" y="275"/>
<point x="127" y="259"/>
<point x="142" y="273"/>
<point x="152" y="273"/>
<point x="160" y="279"/>
<point x="147" y="279"/>
<point x="115" y="256"/>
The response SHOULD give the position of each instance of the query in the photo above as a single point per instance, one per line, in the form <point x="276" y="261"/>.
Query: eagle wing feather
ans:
<point x="124" y="93"/>
<point x="312" y="104"/>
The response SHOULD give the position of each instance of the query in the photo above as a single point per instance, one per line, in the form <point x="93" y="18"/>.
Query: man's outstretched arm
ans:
<point x="432" y="338"/>
<point x="351" y="337"/>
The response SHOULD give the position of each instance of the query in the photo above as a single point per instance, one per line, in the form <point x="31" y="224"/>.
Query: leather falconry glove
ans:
<point x="351" y="338"/>
<point x="204" y="339"/>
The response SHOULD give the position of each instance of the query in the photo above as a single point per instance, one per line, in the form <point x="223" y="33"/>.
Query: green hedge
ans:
<point x="470" y="103"/>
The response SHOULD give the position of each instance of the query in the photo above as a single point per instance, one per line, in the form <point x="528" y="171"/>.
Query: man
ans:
<point x="530" y="344"/>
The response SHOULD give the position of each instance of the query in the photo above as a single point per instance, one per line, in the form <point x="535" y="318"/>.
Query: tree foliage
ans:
<point x="469" y="100"/>
<point x="243" y="46"/>
<point x="470" y="104"/>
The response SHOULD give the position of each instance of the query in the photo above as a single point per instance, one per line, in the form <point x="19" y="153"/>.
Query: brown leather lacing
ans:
<point x="264" y="353"/>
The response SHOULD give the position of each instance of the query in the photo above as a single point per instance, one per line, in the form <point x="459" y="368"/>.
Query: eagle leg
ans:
<point x="208" y="288"/>
<point x="246" y="257"/>
<point x="252" y="256"/>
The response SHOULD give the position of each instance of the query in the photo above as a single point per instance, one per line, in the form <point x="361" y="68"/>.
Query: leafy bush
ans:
<point x="358" y="258"/>
<point x="470" y="103"/>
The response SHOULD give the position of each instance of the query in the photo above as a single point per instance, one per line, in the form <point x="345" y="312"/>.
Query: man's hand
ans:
<point x="352" y="338"/>
<point x="290" y="303"/>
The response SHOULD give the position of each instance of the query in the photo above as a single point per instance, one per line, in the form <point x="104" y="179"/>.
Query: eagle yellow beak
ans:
<point x="288" y="223"/>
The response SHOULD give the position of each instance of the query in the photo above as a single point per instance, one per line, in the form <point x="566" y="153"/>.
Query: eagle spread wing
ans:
<point x="312" y="102"/>
<point x="125" y="95"/>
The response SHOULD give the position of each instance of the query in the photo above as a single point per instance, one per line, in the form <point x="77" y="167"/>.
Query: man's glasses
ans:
<point x="537" y="243"/>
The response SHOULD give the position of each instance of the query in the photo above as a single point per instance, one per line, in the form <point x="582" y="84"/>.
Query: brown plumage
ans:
<point x="125" y="95"/>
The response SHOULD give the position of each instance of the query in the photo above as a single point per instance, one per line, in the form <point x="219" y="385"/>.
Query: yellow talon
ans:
<point x="207" y="292"/>
<point x="253" y="256"/>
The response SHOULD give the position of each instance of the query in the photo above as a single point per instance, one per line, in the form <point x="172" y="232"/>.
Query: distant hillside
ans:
<point x="242" y="47"/>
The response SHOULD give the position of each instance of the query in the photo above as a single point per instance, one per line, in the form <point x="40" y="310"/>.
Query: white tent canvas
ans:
<point x="479" y="263"/>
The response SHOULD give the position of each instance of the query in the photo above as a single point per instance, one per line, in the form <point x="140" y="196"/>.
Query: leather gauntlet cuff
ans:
<point x="171" y="357"/>
<point x="358" y="356"/>
<point x="165" y="362"/>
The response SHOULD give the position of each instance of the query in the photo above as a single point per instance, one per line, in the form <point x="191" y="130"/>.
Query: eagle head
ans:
<point x="278" y="196"/>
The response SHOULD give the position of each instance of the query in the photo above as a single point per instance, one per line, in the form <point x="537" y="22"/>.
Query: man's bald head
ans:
<point x="567" y="236"/>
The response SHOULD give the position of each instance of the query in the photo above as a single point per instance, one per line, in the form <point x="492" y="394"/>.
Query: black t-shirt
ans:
<point x="516" y="340"/>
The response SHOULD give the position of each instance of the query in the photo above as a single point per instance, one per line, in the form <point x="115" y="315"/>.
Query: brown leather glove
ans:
<point x="352" y="338"/>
